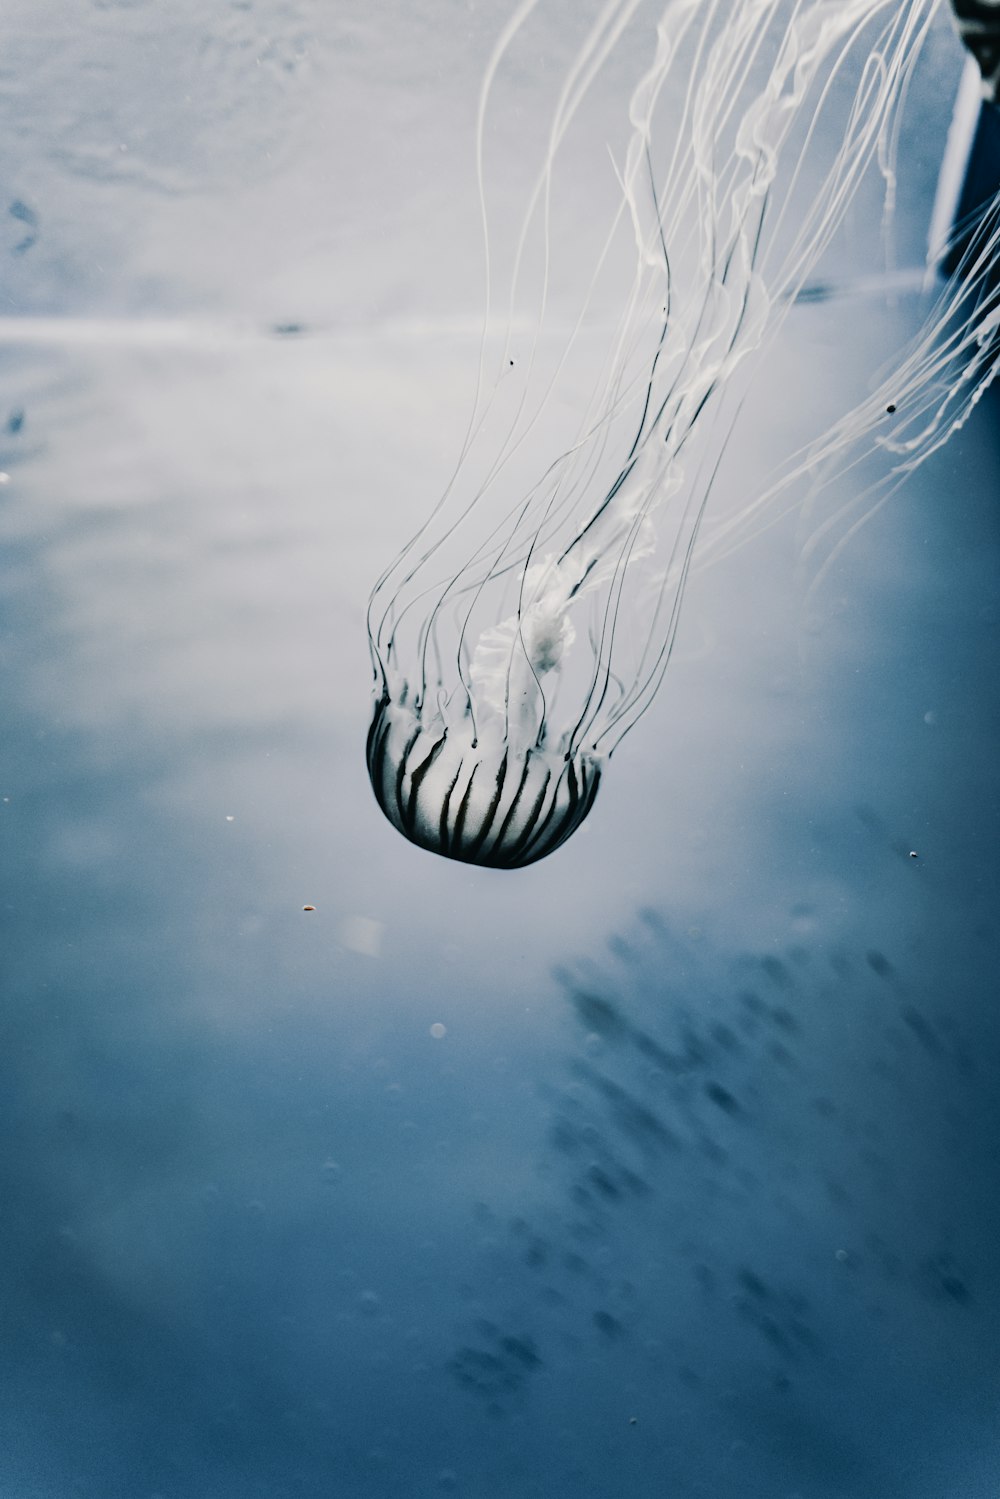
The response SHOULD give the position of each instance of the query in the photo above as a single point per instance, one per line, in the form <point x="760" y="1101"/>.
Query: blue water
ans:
<point x="666" y="1166"/>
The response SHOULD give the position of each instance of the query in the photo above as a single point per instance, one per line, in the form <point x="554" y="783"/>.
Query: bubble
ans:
<point x="438" y="1031"/>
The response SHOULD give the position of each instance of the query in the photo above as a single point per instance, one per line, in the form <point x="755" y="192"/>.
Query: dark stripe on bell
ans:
<point x="463" y="808"/>
<point x="513" y="856"/>
<point x="401" y="772"/>
<point x="536" y="845"/>
<point x="417" y="777"/>
<point x="378" y="736"/>
<point x="582" y="786"/>
<point x="443" y="825"/>
<point x="513" y="806"/>
<point x="480" y="838"/>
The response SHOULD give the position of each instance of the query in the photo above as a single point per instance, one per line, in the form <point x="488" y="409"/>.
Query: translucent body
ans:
<point x="527" y="626"/>
<point x="488" y="803"/>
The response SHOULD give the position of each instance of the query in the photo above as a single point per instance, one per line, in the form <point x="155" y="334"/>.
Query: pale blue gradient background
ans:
<point x="696" y="1195"/>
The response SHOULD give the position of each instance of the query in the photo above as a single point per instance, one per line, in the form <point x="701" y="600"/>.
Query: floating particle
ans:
<point x="361" y="934"/>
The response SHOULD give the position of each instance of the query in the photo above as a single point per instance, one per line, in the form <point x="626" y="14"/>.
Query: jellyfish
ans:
<point x="526" y="627"/>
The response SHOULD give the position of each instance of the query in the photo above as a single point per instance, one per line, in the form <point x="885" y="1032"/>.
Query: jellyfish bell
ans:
<point x="491" y="776"/>
<point x="528" y="624"/>
<point x="480" y="799"/>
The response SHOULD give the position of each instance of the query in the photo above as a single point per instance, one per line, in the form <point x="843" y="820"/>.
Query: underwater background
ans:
<point x="665" y="1166"/>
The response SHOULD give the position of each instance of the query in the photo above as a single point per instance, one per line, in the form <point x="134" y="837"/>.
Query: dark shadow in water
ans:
<point x="769" y="1197"/>
<point x="27" y="220"/>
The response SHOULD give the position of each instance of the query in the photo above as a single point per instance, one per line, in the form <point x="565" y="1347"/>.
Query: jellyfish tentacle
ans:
<point x="503" y="670"/>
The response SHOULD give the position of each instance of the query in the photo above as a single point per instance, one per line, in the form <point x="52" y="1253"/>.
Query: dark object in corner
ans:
<point x="979" y="28"/>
